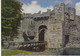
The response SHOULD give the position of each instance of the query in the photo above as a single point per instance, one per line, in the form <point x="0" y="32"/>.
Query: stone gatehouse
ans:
<point x="59" y="27"/>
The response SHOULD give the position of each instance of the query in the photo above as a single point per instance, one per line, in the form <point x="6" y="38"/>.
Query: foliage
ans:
<point x="11" y="16"/>
<point x="15" y="52"/>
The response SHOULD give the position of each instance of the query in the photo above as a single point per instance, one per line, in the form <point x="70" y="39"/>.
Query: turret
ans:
<point x="67" y="8"/>
<point x="62" y="5"/>
<point x="72" y="13"/>
<point x="56" y="8"/>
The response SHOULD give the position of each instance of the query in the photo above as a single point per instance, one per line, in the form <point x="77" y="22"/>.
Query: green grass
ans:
<point x="15" y="52"/>
<point x="52" y="50"/>
<point x="3" y="47"/>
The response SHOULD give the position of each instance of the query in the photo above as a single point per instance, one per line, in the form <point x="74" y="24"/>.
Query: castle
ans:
<point x="59" y="27"/>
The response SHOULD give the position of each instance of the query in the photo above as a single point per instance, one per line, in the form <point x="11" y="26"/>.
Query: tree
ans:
<point x="11" y="16"/>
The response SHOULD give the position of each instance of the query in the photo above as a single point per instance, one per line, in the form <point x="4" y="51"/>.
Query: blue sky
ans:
<point x="46" y="4"/>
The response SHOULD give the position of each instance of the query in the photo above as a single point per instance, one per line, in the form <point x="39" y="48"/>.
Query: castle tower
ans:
<point x="72" y="13"/>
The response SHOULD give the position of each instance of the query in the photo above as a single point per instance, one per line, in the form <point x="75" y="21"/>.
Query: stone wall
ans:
<point x="60" y="22"/>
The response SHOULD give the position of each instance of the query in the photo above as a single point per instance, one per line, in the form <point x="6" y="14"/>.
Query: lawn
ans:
<point x="52" y="50"/>
<point x="15" y="52"/>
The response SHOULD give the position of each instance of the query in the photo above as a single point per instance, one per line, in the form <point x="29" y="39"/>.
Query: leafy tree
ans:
<point x="11" y="16"/>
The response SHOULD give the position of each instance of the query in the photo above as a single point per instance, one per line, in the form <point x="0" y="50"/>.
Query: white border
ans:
<point x="0" y="27"/>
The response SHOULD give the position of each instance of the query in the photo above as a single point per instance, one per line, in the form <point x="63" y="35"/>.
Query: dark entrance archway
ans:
<point x="42" y="29"/>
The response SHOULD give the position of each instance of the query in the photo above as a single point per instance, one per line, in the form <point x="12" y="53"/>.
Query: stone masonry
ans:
<point x="60" y="27"/>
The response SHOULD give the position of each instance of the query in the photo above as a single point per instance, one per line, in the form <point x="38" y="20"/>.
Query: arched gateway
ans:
<point x="42" y="30"/>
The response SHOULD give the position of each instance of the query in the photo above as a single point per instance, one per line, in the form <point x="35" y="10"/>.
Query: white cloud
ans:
<point x="78" y="8"/>
<point x="34" y="8"/>
<point x="68" y="1"/>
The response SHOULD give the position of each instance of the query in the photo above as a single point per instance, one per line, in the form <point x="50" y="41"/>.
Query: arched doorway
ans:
<point x="42" y="30"/>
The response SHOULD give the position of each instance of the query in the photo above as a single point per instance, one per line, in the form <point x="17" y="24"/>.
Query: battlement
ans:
<point x="72" y="10"/>
<point x="39" y="14"/>
<point x="64" y="8"/>
<point x="61" y="8"/>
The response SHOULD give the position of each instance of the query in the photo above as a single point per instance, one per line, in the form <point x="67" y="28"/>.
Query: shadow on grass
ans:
<point x="34" y="49"/>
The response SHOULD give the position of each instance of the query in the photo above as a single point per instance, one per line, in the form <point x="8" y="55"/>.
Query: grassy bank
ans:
<point x="15" y="52"/>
